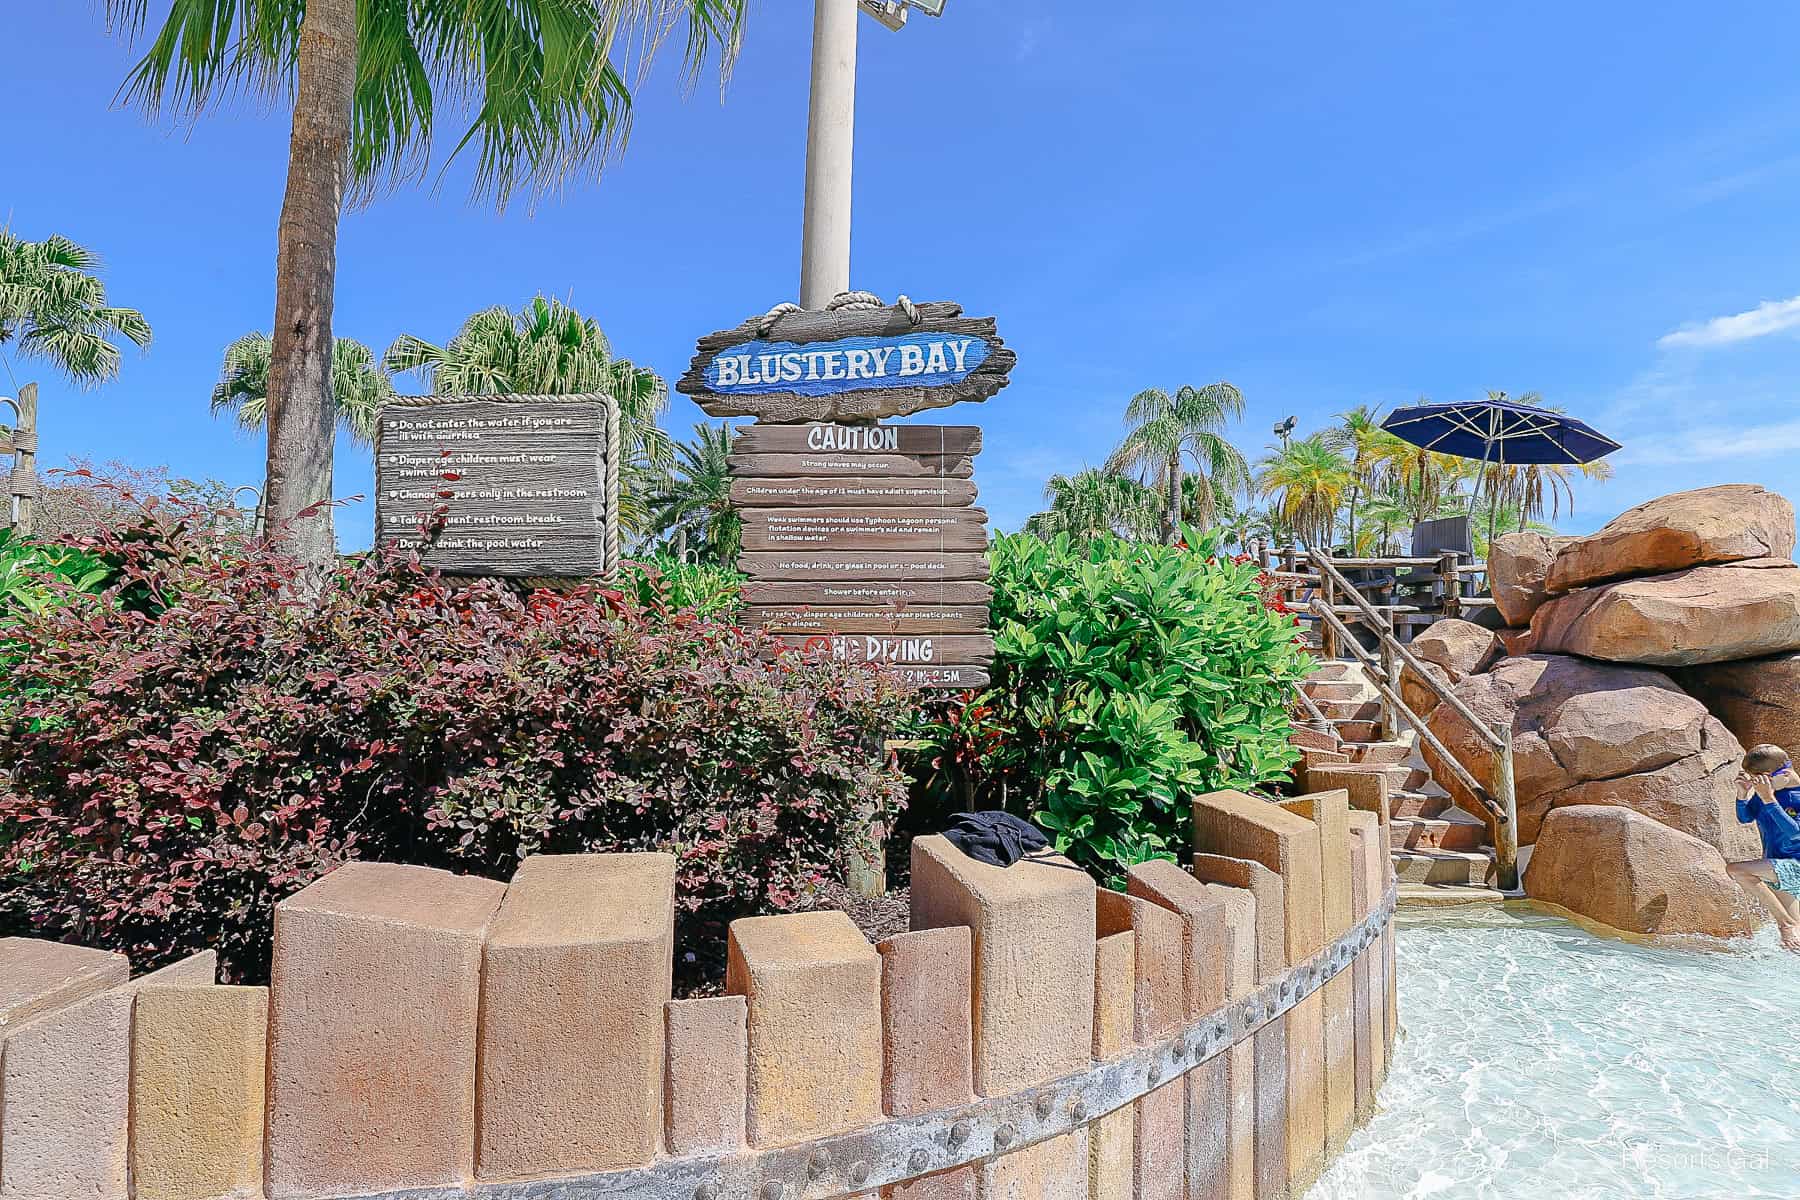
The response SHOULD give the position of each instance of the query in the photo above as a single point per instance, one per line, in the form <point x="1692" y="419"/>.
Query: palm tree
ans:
<point x="1307" y="480"/>
<point x="547" y="102"/>
<point x="1387" y="513"/>
<point x="358" y="383"/>
<point x="548" y="348"/>
<point x="694" y="502"/>
<point x="1163" y="428"/>
<point x="1090" y="504"/>
<point x="1370" y="448"/>
<point x="54" y="307"/>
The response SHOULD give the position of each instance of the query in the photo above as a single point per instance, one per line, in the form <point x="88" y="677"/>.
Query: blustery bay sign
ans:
<point x="862" y="540"/>
<point x="848" y="365"/>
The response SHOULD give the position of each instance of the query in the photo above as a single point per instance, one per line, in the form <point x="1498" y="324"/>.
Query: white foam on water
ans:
<point x="1539" y="1061"/>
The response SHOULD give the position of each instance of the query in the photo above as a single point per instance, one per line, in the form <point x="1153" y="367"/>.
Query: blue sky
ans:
<point x="1327" y="205"/>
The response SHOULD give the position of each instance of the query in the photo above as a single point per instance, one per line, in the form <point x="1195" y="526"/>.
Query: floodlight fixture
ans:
<point x="893" y="13"/>
<point x="1285" y="429"/>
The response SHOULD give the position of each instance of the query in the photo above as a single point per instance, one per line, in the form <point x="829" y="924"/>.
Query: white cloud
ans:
<point x="1714" y="443"/>
<point x="1771" y="316"/>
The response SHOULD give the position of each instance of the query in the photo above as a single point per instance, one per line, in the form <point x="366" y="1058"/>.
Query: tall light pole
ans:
<point x="830" y="146"/>
<point x="830" y="141"/>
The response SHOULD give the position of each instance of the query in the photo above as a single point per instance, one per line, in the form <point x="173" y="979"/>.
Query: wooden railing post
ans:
<point x="1506" y="833"/>
<point x="1448" y="570"/>
<point x="1390" y="720"/>
<point x="24" y="473"/>
<point x="1328" y="637"/>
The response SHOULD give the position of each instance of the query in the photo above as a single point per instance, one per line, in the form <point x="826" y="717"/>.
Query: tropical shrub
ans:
<point x="1128" y="678"/>
<point x="661" y="582"/>
<point x="34" y="576"/>
<point x="192" y="744"/>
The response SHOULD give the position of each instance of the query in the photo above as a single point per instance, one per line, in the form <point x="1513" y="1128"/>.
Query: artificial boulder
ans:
<point x="1735" y="522"/>
<point x="1461" y="648"/>
<point x="1592" y="733"/>
<point x="1518" y="570"/>
<point x="1623" y="869"/>
<point x="1758" y="700"/>
<point x="1700" y="615"/>
<point x="1450" y="652"/>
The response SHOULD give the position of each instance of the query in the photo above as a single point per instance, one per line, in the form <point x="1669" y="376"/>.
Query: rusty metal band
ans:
<point x="852" y="1164"/>
<point x="904" y="1148"/>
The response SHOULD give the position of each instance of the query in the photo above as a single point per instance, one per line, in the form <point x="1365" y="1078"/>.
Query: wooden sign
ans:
<point x="955" y="678"/>
<point x="848" y="364"/>
<point x="865" y="529"/>
<point x="867" y="618"/>
<point x="921" y="566"/>
<point x="954" y="441"/>
<point x="521" y="486"/>
<point x="896" y="493"/>
<point x="894" y="592"/>
<point x="897" y="649"/>
<point x="833" y="465"/>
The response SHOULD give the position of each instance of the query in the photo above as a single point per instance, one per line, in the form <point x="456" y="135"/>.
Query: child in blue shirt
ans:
<point x="1771" y="800"/>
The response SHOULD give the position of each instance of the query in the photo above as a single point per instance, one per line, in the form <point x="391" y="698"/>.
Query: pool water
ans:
<point x="1541" y="1061"/>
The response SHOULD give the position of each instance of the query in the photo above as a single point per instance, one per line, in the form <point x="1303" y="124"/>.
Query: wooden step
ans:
<point x="1413" y="805"/>
<point x="1351" y="710"/>
<point x="1333" y="668"/>
<point x="1385" y="752"/>
<point x="1435" y="895"/>
<point x="1357" y="731"/>
<point x="1452" y="829"/>
<point x="1443" y="866"/>
<point x="1334" y="689"/>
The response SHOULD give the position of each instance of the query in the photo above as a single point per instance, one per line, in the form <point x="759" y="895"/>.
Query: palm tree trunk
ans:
<point x="1173" y="533"/>
<point x="301" y="414"/>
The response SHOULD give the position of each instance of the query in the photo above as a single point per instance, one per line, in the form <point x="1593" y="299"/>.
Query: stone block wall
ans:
<point x="1212" y="1033"/>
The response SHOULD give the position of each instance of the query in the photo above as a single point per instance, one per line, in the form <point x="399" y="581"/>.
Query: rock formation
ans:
<point x="1757" y="699"/>
<point x="1623" y="869"/>
<point x="1731" y="523"/>
<point x="1700" y="615"/>
<point x="1518" y="570"/>
<point x="1587" y="733"/>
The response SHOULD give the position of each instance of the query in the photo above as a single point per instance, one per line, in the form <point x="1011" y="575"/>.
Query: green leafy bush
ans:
<point x="663" y="582"/>
<point x="34" y="576"/>
<point x="1129" y="677"/>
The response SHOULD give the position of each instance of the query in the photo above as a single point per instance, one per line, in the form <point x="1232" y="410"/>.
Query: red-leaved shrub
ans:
<point x="186" y="748"/>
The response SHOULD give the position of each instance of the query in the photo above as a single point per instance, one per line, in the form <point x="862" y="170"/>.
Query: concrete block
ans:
<point x="1159" y="1138"/>
<point x="65" y="1093"/>
<point x="927" y="1021"/>
<point x="1239" y="1181"/>
<point x="37" y="977"/>
<point x="198" y="1062"/>
<point x="1269" y="1047"/>
<point x="1115" y="1022"/>
<point x="575" y="976"/>
<point x="1207" y="1099"/>
<point x="1367" y="785"/>
<point x="1330" y="812"/>
<point x="1033" y="982"/>
<point x="374" y="1000"/>
<point x="1364" y="830"/>
<point x="708" y="1091"/>
<point x="1237" y="825"/>
<point x="813" y="984"/>
<point x="1033" y="944"/>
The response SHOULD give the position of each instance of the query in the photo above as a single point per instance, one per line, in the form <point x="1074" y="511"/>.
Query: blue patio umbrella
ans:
<point x="1505" y="432"/>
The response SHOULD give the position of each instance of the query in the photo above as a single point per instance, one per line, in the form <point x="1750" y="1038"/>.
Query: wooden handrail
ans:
<point x="1501" y="802"/>
<point x="1369" y="665"/>
<point x="1444" y="694"/>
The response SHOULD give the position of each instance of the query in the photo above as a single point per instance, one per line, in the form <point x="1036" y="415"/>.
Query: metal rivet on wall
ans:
<point x="707" y="1191"/>
<point x="959" y="1133"/>
<point x="772" y="1190"/>
<point x="819" y="1163"/>
<point x="917" y="1161"/>
<point x="1046" y="1104"/>
<point x="1003" y="1136"/>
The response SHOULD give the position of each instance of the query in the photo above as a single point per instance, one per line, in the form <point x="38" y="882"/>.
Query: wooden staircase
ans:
<point x="1441" y="853"/>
